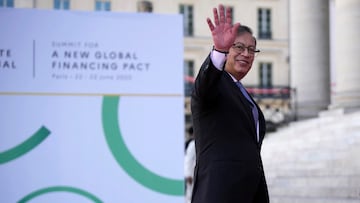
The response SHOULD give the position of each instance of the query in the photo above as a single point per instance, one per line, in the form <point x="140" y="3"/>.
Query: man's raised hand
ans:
<point x="223" y="32"/>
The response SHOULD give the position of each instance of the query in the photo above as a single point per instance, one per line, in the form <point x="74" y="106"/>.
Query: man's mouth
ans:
<point x="243" y="62"/>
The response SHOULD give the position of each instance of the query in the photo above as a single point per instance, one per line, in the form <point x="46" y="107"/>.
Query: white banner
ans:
<point x="92" y="107"/>
<point x="83" y="52"/>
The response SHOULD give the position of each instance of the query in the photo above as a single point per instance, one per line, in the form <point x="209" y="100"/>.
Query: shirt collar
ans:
<point x="234" y="79"/>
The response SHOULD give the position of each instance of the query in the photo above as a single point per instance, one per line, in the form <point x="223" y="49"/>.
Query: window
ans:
<point x="264" y="23"/>
<point x="265" y="74"/>
<point x="6" y="3"/>
<point x="144" y="6"/>
<point x="189" y="68"/>
<point x="102" y="5"/>
<point x="62" y="4"/>
<point x="187" y="12"/>
<point x="189" y="73"/>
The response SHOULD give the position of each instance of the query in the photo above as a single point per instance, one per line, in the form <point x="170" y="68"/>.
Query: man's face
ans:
<point x="239" y="60"/>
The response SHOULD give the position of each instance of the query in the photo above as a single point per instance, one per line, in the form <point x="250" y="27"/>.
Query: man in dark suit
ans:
<point x="228" y="124"/>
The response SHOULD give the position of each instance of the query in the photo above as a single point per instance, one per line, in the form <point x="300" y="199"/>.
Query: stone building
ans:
<point x="324" y="51"/>
<point x="308" y="60"/>
<point x="268" y="80"/>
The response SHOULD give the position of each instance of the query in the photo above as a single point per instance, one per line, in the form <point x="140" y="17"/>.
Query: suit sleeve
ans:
<point x="206" y="81"/>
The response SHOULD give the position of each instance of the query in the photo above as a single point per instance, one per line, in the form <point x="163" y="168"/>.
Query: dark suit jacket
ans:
<point x="229" y="167"/>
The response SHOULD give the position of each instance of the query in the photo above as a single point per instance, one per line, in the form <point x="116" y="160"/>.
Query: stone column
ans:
<point x="309" y="55"/>
<point x="347" y="55"/>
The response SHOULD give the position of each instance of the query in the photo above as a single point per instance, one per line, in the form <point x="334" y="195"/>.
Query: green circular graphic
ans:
<point x="60" y="189"/>
<point x="25" y="146"/>
<point x="124" y="157"/>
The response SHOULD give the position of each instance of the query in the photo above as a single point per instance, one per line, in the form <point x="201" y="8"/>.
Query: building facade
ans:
<point x="308" y="61"/>
<point x="268" y="80"/>
<point x="324" y="50"/>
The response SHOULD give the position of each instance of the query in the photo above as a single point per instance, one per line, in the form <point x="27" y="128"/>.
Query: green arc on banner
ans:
<point x="25" y="146"/>
<point x="124" y="157"/>
<point x="60" y="189"/>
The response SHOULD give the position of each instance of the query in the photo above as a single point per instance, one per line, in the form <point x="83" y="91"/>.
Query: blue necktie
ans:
<point x="255" y="112"/>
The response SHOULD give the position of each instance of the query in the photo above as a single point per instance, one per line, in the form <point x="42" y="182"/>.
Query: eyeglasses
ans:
<point x="240" y="48"/>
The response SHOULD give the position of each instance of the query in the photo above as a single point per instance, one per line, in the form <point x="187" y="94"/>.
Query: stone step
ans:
<point x="324" y="160"/>
<point x="317" y="192"/>
<point x="329" y="131"/>
<point x="314" y="161"/>
<point x="291" y="199"/>
<point x="305" y="151"/>
<point x="305" y="156"/>
<point x="296" y="172"/>
<point x="339" y="181"/>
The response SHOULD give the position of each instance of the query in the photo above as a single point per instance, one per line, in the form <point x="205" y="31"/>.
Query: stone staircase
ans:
<point x="315" y="161"/>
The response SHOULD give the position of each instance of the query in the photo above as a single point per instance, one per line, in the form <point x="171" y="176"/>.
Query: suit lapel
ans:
<point x="244" y="103"/>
